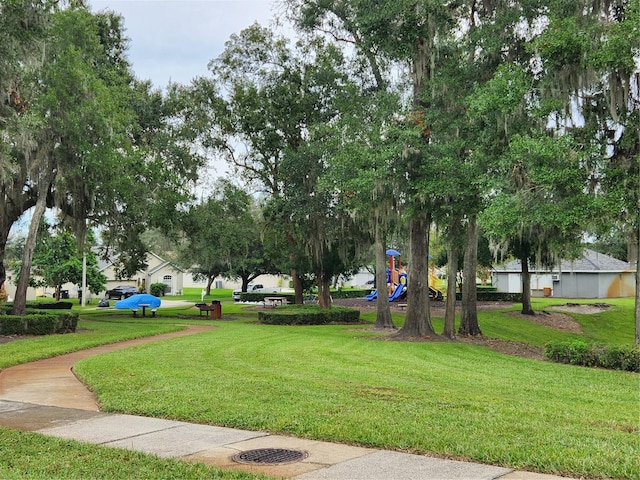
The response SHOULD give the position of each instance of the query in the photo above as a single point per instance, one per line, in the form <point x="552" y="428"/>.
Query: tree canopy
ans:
<point x="86" y="138"/>
<point x="518" y="119"/>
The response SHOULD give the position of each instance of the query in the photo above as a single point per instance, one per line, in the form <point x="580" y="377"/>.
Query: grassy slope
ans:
<point x="339" y="383"/>
<point x="344" y="384"/>
<point x="34" y="456"/>
<point x="90" y="333"/>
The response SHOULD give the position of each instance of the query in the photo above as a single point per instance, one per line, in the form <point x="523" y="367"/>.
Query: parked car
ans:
<point x="255" y="287"/>
<point x="121" y="291"/>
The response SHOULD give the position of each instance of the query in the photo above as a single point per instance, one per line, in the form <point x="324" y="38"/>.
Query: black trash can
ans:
<point x="64" y="293"/>
<point x="217" y="309"/>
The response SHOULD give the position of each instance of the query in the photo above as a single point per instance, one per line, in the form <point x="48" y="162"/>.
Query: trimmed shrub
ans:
<point x="309" y="315"/>
<point x="488" y="296"/>
<point x="486" y="288"/>
<point x="578" y="352"/>
<point x="12" y="325"/>
<point x="52" y="306"/>
<point x="350" y="293"/>
<point x="38" y="324"/>
<point x="291" y="298"/>
<point x="158" y="289"/>
<point x="34" y="308"/>
<point x="67" y="322"/>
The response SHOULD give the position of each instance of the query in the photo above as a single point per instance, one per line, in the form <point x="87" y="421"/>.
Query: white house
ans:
<point x="160" y="270"/>
<point x="594" y="275"/>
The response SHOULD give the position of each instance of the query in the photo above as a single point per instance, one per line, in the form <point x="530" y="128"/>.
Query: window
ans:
<point x="168" y="281"/>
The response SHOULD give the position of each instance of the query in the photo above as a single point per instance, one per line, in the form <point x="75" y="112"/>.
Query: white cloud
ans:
<point x="173" y="40"/>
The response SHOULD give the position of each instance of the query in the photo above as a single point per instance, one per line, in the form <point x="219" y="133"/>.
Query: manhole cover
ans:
<point x="270" y="456"/>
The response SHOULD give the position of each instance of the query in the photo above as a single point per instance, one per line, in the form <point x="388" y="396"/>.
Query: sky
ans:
<point x="174" y="40"/>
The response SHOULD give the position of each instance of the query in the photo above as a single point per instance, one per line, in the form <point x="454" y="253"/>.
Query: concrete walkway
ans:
<point x="46" y="397"/>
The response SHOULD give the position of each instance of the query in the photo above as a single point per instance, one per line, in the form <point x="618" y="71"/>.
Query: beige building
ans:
<point x="158" y="270"/>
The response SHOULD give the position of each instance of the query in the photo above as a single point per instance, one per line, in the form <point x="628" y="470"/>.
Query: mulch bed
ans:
<point x="558" y="320"/>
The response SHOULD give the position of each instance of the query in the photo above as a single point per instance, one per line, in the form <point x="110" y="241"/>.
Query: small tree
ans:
<point x="57" y="260"/>
<point x="224" y="238"/>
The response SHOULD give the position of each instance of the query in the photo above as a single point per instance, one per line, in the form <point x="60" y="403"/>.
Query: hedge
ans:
<point x="578" y="352"/>
<point x="52" y="306"/>
<point x="311" y="315"/>
<point x="260" y="296"/>
<point x="291" y="298"/>
<point x="489" y="296"/>
<point x="350" y="293"/>
<point x="38" y="324"/>
<point x="35" y="308"/>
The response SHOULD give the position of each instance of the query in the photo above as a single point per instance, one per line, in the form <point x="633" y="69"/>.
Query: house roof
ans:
<point x="590" y="262"/>
<point x="163" y="263"/>
<point x="103" y="265"/>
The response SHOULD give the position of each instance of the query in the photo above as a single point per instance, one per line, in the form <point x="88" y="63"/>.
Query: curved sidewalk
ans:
<point x="46" y="397"/>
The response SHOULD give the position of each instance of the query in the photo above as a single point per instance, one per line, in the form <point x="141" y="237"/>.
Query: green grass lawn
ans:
<point x="92" y="331"/>
<point x="348" y="384"/>
<point x="34" y="456"/>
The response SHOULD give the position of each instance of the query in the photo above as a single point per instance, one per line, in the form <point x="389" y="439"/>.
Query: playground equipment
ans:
<point x="397" y="281"/>
<point x="401" y="289"/>
<point x="434" y="293"/>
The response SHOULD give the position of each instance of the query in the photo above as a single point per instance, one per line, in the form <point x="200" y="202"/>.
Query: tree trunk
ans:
<point x="418" y="320"/>
<point x="383" y="316"/>
<point x="20" y="302"/>
<point x="324" y="290"/>
<point x="450" y="304"/>
<point x="245" y="284"/>
<point x="637" y="258"/>
<point x="3" y="244"/>
<point x="297" y="287"/>
<point x="526" y="287"/>
<point x="469" y="318"/>
<point x="210" y="280"/>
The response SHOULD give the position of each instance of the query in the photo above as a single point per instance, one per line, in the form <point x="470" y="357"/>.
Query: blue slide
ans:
<point x="372" y="296"/>
<point x="397" y="293"/>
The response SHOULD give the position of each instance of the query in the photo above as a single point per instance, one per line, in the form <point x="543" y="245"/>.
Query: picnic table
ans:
<point x="144" y="310"/>
<point x="274" y="301"/>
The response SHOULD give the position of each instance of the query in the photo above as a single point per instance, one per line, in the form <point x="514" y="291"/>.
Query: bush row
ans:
<point x="489" y="296"/>
<point x="291" y="298"/>
<point x="259" y="297"/>
<point x="38" y="324"/>
<point x="5" y="308"/>
<point x="309" y="316"/>
<point x="350" y="293"/>
<point x="578" y="352"/>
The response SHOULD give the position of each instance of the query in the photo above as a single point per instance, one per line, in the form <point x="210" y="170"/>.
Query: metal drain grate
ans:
<point x="270" y="456"/>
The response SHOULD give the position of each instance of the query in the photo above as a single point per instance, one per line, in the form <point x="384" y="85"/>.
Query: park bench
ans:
<point x="144" y="310"/>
